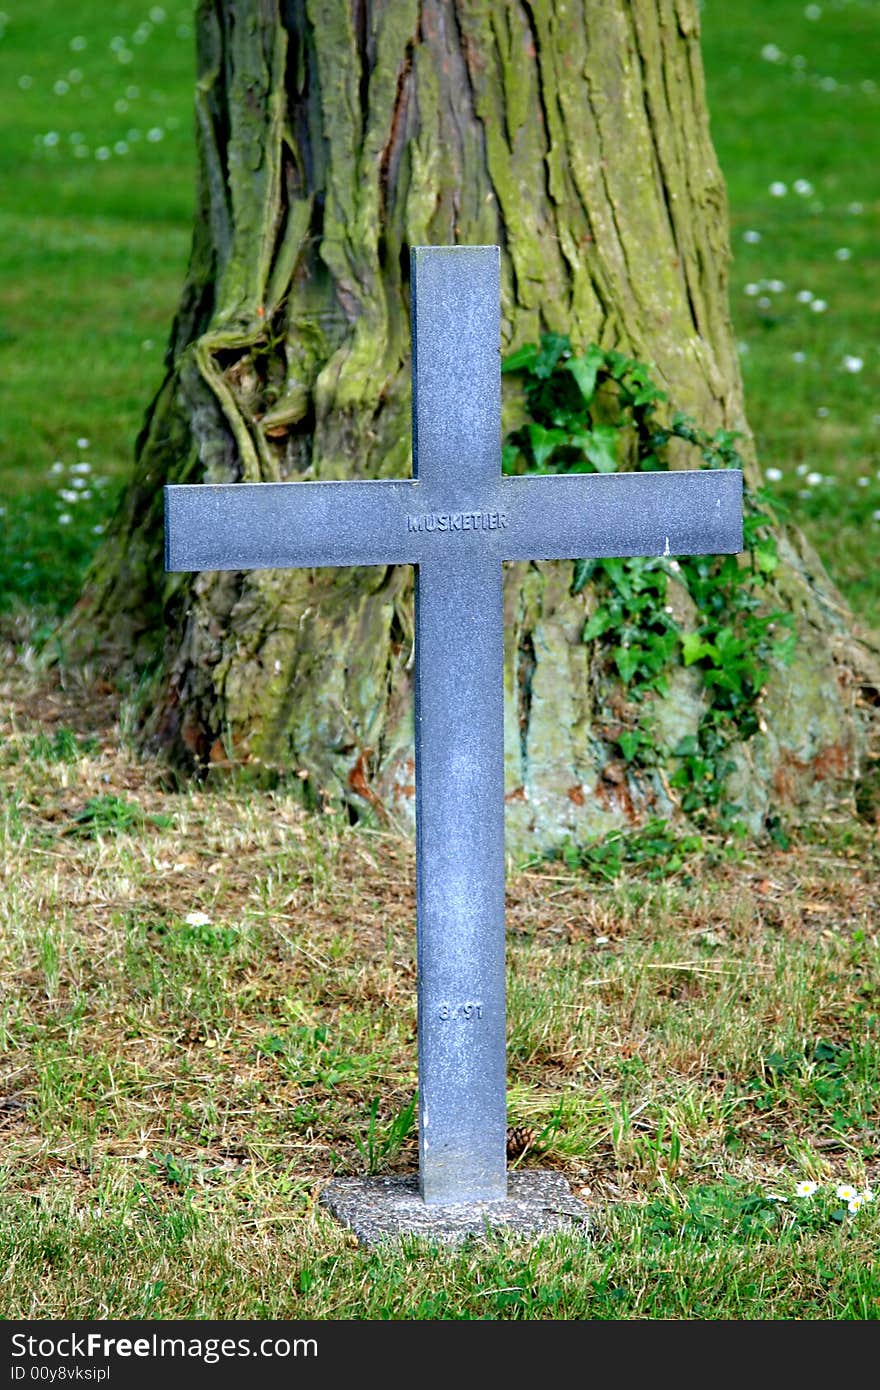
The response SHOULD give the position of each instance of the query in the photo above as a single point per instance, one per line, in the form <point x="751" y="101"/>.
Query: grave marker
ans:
<point x="456" y="520"/>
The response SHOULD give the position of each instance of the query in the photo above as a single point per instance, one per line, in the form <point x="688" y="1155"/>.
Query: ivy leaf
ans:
<point x="522" y="360"/>
<point x="509" y="456"/>
<point x="728" y="645"/>
<point x="766" y="557"/>
<point x="543" y="443"/>
<point x="614" y="568"/>
<point x="629" y="743"/>
<point x="724" y="679"/>
<point x="665" y="644"/>
<point x="627" y="659"/>
<point x="600" y="447"/>
<point x="686" y="747"/>
<point x="648" y="395"/>
<point x="695" y="648"/>
<point x="553" y="345"/>
<point x="584" y="370"/>
<point x="583" y="573"/>
<point x="660" y="683"/>
<point x="600" y="622"/>
<point x="618" y="364"/>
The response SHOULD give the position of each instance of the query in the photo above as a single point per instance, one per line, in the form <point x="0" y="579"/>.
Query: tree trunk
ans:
<point x="332" y="136"/>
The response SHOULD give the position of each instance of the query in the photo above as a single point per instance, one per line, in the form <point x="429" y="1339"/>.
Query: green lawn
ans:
<point x="96" y="157"/>
<point x="96" y="164"/>
<point x="795" y="105"/>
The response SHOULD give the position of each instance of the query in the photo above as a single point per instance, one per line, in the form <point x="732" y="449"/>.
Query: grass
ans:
<point x="207" y="997"/>
<point x="96" y="141"/>
<point x="208" y="1009"/>
<point x="794" y="103"/>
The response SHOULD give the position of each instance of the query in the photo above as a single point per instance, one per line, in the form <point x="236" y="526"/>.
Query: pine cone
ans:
<point x="519" y="1139"/>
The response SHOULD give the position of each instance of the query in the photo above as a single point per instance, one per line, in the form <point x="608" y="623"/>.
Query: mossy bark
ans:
<point x="332" y="136"/>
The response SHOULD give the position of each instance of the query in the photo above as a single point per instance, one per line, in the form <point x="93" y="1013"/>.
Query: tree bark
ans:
<point x="332" y="136"/>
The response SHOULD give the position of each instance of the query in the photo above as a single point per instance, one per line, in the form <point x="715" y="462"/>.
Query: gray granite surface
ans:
<point x="379" y="1209"/>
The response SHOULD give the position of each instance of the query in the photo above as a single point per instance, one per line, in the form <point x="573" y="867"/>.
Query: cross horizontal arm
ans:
<point x="242" y="526"/>
<point x="580" y="515"/>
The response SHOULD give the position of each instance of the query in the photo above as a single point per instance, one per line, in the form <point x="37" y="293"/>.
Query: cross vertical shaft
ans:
<point x="460" y="882"/>
<point x="459" y="740"/>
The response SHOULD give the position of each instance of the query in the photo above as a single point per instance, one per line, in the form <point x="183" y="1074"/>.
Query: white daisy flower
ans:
<point x="806" y="1188"/>
<point x="845" y="1191"/>
<point x="197" y="919"/>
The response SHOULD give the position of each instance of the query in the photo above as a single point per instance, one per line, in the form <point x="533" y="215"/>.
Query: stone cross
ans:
<point x="456" y="520"/>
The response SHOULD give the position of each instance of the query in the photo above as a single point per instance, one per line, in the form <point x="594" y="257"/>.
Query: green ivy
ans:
<point x="593" y="412"/>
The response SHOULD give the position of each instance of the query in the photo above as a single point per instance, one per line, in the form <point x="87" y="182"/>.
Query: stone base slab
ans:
<point x="538" y="1202"/>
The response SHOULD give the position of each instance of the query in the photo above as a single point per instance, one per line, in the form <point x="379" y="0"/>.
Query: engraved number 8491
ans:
<point x="470" y="1008"/>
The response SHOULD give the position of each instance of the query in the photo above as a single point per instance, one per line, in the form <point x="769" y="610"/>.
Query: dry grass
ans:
<point x="176" y="1093"/>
